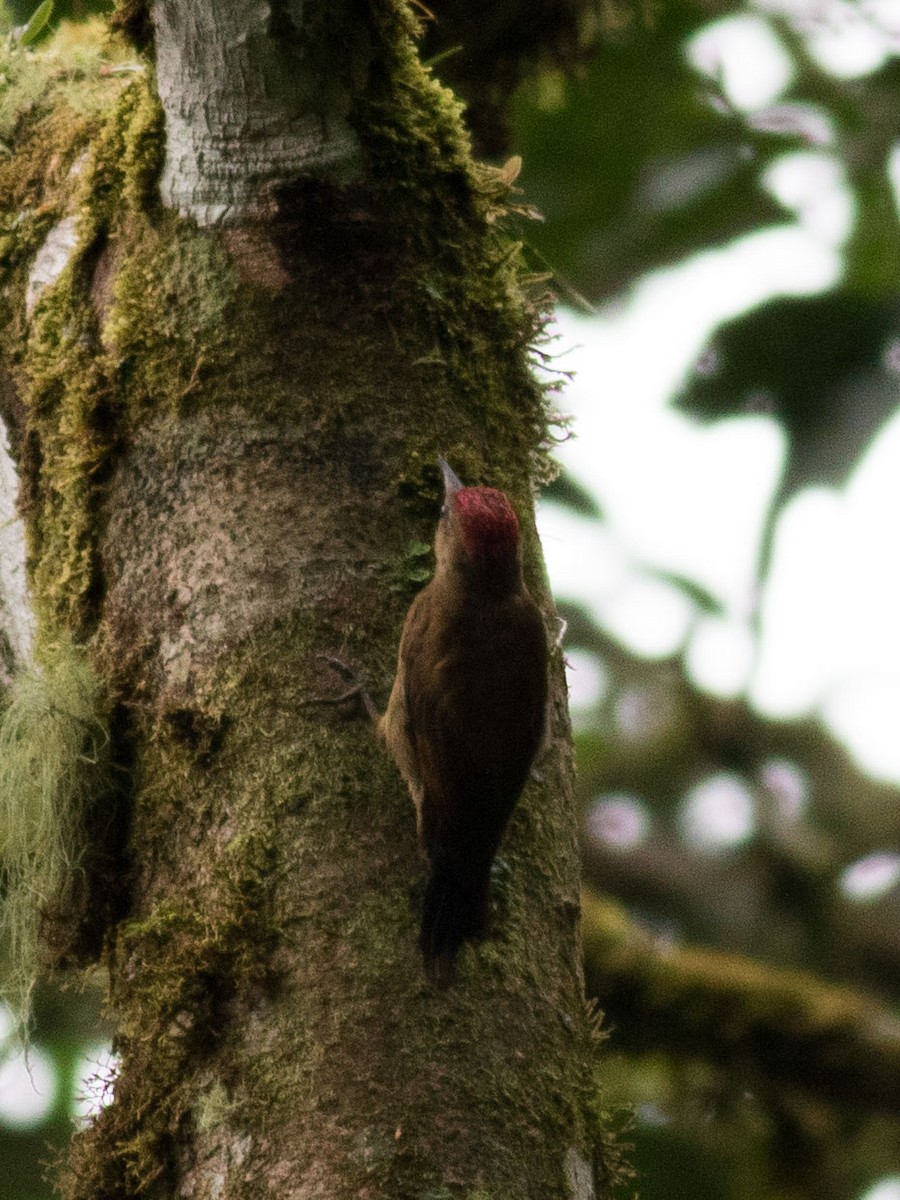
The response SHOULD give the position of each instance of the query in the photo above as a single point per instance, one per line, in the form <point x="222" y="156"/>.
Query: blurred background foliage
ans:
<point x="742" y="913"/>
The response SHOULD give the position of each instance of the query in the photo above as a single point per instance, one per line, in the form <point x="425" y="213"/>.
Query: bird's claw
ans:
<point x="356" y="690"/>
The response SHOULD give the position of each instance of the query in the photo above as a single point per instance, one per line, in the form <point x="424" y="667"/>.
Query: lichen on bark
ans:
<point x="55" y="783"/>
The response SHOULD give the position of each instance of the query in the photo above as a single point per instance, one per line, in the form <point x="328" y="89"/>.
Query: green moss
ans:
<point x="124" y="161"/>
<point x="72" y="66"/>
<point x="174" y="971"/>
<point x="23" y="84"/>
<point x="414" y="568"/>
<point x="71" y="401"/>
<point x="166" y="352"/>
<point x="55" y="776"/>
<point x="213" y="1108"/>
<point x="51" y="101"/>
<point x="132" y="19"/>
<point x="474" y="302"/>
<point x="68" y="394"/>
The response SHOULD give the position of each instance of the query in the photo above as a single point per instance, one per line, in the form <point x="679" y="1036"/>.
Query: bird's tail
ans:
<point x="455" y="910"/>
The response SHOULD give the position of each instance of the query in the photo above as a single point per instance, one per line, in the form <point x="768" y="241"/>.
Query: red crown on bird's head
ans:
<point x="489" y="525"/>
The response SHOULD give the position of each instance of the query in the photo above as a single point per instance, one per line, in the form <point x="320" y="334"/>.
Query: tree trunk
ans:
<point x="226" y="413"/>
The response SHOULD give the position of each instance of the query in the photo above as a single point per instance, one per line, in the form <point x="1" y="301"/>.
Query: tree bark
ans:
<point x="233" y="401"/>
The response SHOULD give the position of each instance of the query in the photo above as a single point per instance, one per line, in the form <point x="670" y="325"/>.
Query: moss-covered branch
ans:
<point x="787" y="1025"/>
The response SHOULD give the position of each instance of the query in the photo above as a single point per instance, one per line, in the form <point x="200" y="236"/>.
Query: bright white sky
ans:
<point x="691" y="499"/>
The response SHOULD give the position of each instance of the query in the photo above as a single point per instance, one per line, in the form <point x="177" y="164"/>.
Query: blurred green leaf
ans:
<point x="65" y="10"/>
<point x="37" y="24"/>
<point x="865" y="117"/>
<point x="705" y="601"/>
<point x="635" y="165"/>
<point x="571" y="494"/>
<point x="828" y="367"/>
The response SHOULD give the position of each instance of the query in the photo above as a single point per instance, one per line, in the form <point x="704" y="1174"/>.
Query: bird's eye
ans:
<point x="445" y="512"/>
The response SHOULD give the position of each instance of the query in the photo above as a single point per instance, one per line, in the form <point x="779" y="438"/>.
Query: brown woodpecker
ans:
<point x="467" y="710"/>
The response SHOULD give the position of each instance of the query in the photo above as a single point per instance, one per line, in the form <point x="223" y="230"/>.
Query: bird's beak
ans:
<point x="452" y="483"/>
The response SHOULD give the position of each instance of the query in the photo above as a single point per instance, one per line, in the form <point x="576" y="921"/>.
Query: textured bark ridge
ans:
<point x="251" y="99"/>
<point x="215" y="535"/>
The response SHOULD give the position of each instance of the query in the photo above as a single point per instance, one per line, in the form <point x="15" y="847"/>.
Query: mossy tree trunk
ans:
<point x="226" y="406"/>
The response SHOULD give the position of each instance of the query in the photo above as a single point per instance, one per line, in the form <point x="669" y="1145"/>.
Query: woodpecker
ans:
<point x="466" y="713"/>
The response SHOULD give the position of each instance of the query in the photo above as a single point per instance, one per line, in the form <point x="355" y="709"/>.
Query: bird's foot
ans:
<point x="357" y="690"/>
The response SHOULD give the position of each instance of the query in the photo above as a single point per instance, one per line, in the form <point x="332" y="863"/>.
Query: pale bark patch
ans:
<point x="579" y="1175"/>
<point x="50" y="261"/>
<point x="16" y="616"/>
<point x="243" y="108"/>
